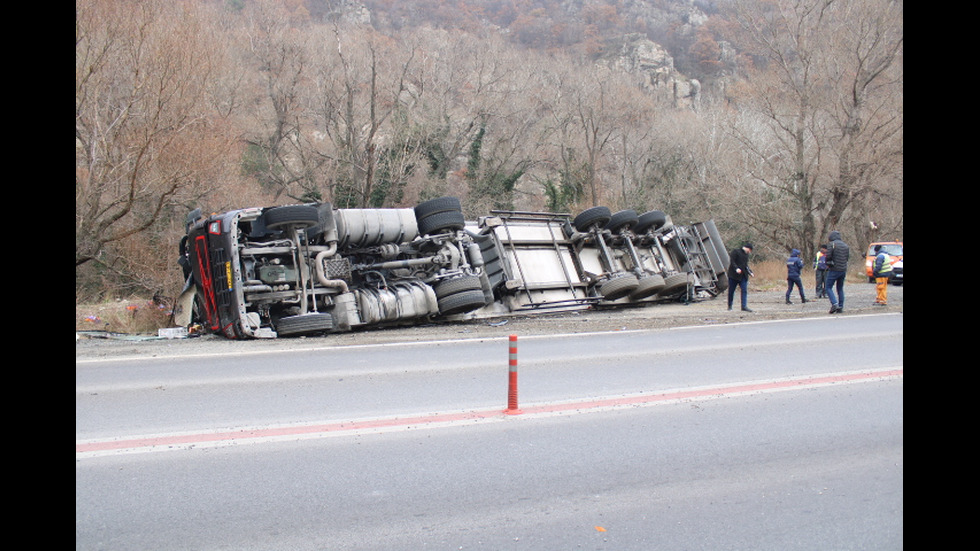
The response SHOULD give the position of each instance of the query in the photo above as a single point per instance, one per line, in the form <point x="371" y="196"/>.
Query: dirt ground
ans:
<point x="767" y="305"/>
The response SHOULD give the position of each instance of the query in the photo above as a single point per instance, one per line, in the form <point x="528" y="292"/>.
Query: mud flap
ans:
<point x="184" y="307"/>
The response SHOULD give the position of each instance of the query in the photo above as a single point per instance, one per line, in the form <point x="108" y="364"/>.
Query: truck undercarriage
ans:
<point x="311" y="269"/>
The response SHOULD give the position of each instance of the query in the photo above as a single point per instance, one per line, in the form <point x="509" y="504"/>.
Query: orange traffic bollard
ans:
<point x="512" y="408"/>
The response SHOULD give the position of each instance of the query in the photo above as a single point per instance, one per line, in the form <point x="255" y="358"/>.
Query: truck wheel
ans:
<point x="462" y="302"/>
<point x="648" y="286"/>
<point x="436" y="215"/>
<point x="304" y="216"/>
<point x="304" y="324"/>
<point x="590" y="217"/>
<point x="435" y="206"/>
<point x="673" y="284"/>
<point x="622" y="220"/>
<point x="448" y="287"/>
<point x="722" y="281"/>
<point x="441" y="222"/>
<point x="618" y="287"/>
<point x="651" y="220"/>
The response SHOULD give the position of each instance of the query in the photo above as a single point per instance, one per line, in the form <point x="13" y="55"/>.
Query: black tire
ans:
<point x="463" y="302"/>
<point x="304" y="216"/>
<point x="649" y="285"/>
<point x="438" y="215"/>
<point x="622" y="220"/>
<point x="650" y="220"/>
<point x="436" y="206"/>
<point x="440" y="222"/>
<point x="449" y="287"/>
<point x="304" y="324"/>
<point x="674" y="284"/>
<point x="618" y="287"/>
<point x="722" y="281"/>
<point x="590" y="217"/>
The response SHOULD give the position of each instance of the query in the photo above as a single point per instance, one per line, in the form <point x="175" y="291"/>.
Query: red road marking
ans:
<point x="185" y="440"/>
<point x="786" y="384"/>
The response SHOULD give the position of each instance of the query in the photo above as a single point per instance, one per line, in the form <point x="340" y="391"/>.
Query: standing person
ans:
<point x="882" y="270"/>
<point x="820" y="266"/>
<point x="794" y="265"/>
<point x="837" y="256"/>
<point x="738" y="275"/>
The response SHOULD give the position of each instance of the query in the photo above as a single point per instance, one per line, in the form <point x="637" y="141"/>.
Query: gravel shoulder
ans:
<point x="767" y="305"/>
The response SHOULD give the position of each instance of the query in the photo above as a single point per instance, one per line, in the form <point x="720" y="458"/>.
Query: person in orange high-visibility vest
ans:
<point x="882" y="271"/>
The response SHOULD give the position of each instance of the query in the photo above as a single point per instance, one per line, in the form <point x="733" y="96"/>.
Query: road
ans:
<point x="773" y="435"/>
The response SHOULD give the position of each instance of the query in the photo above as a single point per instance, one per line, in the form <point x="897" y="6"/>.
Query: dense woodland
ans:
<point x="507" y="104"/>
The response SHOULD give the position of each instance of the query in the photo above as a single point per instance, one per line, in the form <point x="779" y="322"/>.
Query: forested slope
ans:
<point x="780" y="120"/>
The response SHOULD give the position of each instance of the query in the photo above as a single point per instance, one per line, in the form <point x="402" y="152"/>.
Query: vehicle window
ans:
<point x="894" y="250"/>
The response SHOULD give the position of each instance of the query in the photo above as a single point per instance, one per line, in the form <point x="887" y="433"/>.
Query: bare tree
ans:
<point x="594" y="111"/>
<point x="865" y="72"/>
<point x="359" y="84"/>
<point x="815" y="124"/>
<point x="499" y="95"/>
<point x="145" y="135"/>
<point x="582" y="129"/>
<point x="457" y="76"/>
<point x="779" y="128"/>
<point x="278" y="54"/>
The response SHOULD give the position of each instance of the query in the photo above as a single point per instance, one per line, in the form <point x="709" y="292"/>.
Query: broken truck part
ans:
<point x="311" y="269"/>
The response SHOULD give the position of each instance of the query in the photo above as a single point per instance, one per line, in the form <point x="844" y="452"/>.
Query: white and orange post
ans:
<point x="512" y="408"/>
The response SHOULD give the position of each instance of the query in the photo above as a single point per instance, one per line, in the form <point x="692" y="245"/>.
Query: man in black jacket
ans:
<point x="837" y="256"/>
<point x="738" y="275"/>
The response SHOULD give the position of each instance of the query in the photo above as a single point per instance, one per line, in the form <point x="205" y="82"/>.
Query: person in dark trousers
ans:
<point x="820" y="267"/>
<point x="837" y="256"/>
<point x="738" y="275"/>
<point x="794" y="265"/>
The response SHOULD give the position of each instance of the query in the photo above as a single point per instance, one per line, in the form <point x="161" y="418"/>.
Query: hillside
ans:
<point x="683" y="28"/>
<point x="684" y="106"/>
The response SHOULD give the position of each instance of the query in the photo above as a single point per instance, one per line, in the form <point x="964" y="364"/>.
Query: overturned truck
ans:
<point x="311" y="268"/>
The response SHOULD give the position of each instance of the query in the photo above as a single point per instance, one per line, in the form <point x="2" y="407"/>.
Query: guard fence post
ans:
<point x="512" y="408"/>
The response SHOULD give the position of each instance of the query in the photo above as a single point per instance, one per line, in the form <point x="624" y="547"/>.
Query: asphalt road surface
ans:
<point x="780" y="434"/>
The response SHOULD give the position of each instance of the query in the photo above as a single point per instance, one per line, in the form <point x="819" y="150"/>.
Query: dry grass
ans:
<point x="134" y="316"/>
